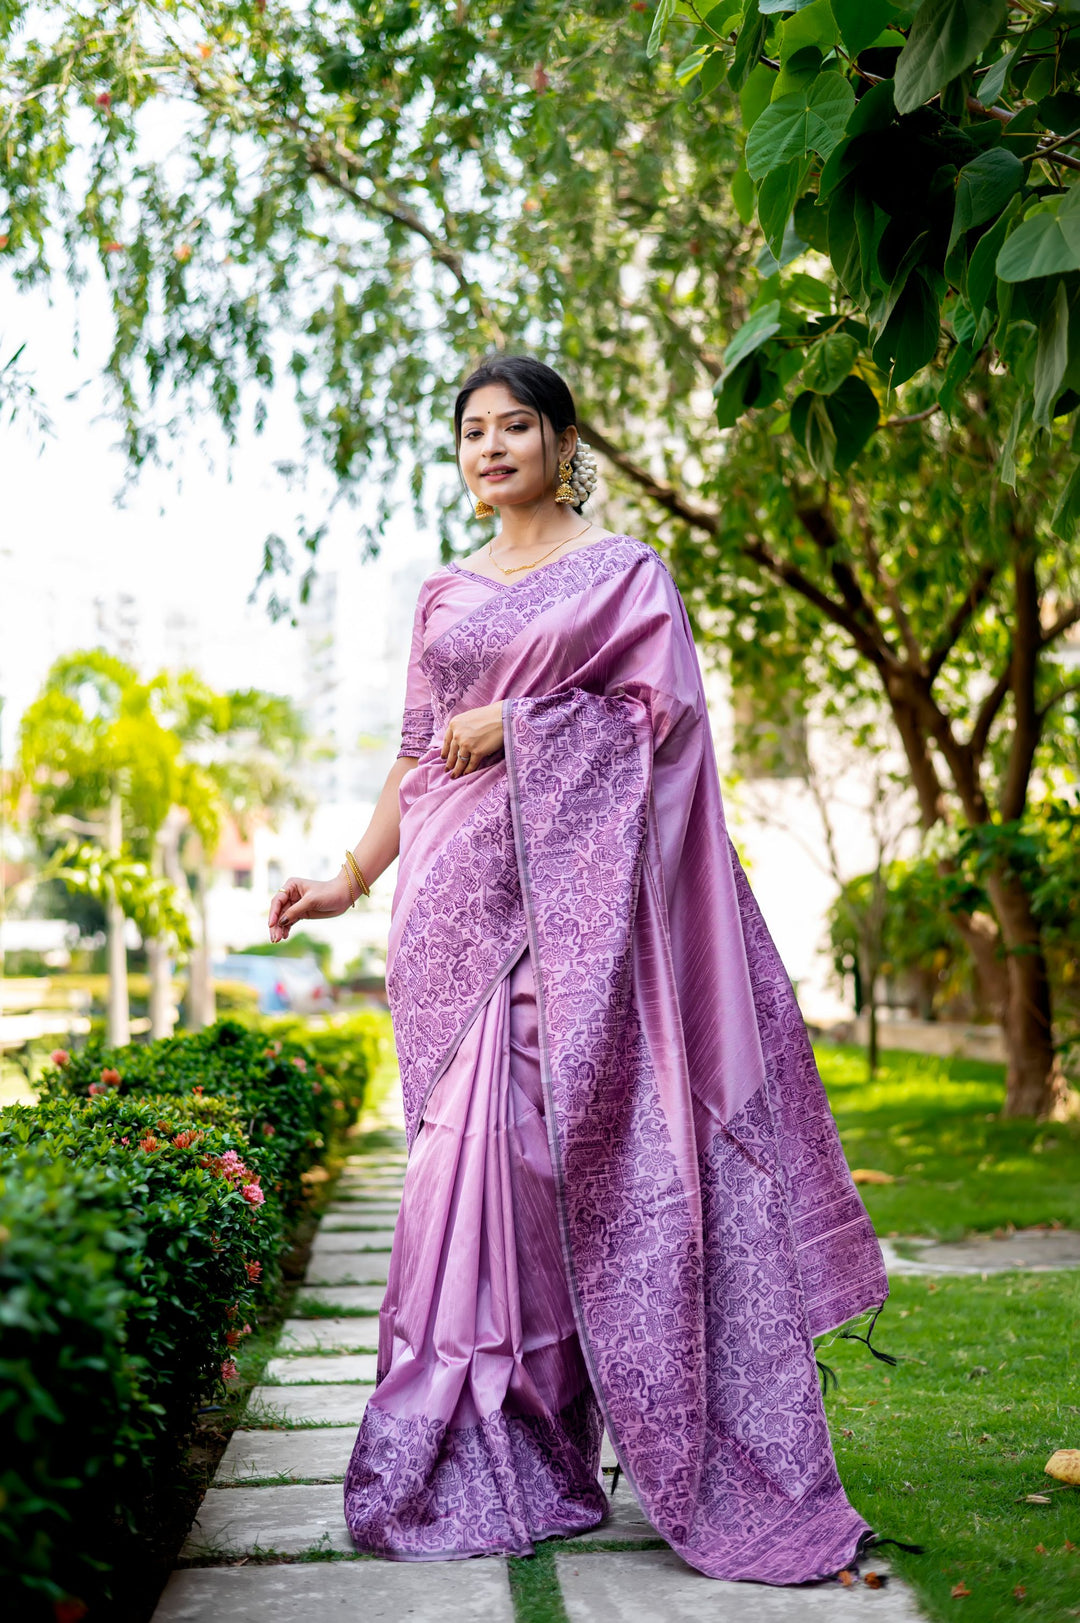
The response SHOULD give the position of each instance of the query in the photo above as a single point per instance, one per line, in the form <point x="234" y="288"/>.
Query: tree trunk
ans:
<point x="118" y="1021"/>
<point x="201" y="1008"/>
<point x="1034" y="1083"/>
<point x="159" y="964"/>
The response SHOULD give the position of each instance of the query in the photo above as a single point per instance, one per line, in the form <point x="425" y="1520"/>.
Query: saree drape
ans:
<point x="626" y="1197"/>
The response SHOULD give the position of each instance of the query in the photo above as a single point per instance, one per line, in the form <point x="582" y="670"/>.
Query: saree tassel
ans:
<point x="851" y="1335"/>
<point x="827" y="1374"/>
<point x="615" y="1475"/>
<point x="873" y="1541"/>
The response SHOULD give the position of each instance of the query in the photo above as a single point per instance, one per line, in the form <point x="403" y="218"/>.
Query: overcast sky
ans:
<point x="187" y="539"/>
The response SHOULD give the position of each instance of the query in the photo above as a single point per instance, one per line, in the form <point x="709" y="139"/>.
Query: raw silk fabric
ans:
<point x="626" y="1197"/>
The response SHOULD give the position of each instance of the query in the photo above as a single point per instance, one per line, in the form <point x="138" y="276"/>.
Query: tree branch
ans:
<point x="820" y="526"/>
<point x="988" y="710"/>
<point x="1056" y="697"/>
<point x="973" y="597"/>
<point x="1068" y="617"/>
<point x="666" y="495"/>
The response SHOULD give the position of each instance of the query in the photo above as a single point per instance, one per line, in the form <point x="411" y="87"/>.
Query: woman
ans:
<point x="626" y="1202"/>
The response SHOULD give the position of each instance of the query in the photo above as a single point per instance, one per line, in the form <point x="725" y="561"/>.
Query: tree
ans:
<point x="366" y="197"/>
<point x="95" y="757"/>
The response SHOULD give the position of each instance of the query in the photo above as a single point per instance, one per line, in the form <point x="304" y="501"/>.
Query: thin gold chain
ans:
<point x="519" y="569"/>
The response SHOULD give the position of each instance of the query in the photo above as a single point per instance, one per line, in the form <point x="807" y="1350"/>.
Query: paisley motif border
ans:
<point x="468" y="647"/>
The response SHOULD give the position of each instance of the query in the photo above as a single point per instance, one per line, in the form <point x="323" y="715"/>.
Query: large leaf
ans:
<point x="854" y="414"/>
<point x="776" y="200"/>
<point x="1052" y="355"/>
<point x="910" y="335"/>
<point x="809" y="120"/>
<point x="982" y="273"/>
<point x="664" y="13"/>
<point x="861" y="21"/>
<point x="812" y="427"/>
<point x="1066" y="518"/>
<point x="946" y="37"/>
<point x="828" y="362"/>
<point x="1045" y="244"/>
<point x="748" y="45"/>
<point x="983" y="187"/>
<point x="762" y="325"/>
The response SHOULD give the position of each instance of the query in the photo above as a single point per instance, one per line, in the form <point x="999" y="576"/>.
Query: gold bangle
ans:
<point x="348" y="880"/>
<point x="354" y="869"/>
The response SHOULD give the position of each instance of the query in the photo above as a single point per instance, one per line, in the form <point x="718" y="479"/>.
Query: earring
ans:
<point x="483" y="510"/>
<point x="564" y="491"/>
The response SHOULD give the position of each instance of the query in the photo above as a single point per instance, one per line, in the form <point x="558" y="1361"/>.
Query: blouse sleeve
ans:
<point x="418" y="722"/>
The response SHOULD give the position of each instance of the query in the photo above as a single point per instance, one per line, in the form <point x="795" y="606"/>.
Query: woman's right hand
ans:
<point x="308" y="899"/>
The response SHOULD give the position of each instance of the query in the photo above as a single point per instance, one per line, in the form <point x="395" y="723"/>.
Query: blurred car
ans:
<point x="296" y="984"/>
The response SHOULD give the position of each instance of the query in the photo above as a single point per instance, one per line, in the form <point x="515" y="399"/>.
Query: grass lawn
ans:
<point x="934" y="1124"/>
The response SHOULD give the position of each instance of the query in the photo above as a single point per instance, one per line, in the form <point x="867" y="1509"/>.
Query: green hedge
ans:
<point x="145" y="1202"/>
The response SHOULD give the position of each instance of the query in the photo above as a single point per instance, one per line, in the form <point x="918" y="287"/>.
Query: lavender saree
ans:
<point x="626" y="1203"/>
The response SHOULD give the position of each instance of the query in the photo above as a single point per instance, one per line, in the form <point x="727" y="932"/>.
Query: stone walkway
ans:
<point x="269" y="1542"/>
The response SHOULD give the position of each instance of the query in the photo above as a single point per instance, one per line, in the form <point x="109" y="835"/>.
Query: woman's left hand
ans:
<point x="470" y="737"/>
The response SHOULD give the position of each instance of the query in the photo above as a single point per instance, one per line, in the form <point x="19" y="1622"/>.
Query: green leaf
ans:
<point x="829" y="361"/>
<point x="946" y="37"/>
<point x="961" y="361"/>
<point x="742" y="194"/>
<point x="748" y="45"/>
<point x="861" y="21"/>
<point x="1066" y="516"/>
<point x="1007" y="465"/>
<point x="854" y="414"/>
<point x="730" y="391"/>
<point x="776" y="199"/>
<point x="762" y="325"/>
<point x="664" y="13"/>
<point x="810" y="120"/>
<point x="993" y="81"/>
<point x="812" y="25"/>
<point x="983" y="188"/>
<point x="1045" y="244"/>
<point x="756" y="94"/>
<point x="910" y="335"/>
<point x="873" y="111"/>
<point x="982" y="275"/>
<point x="769" y="8"/>
<point x="1052" y="355"/>
<point x="813" y="429"/>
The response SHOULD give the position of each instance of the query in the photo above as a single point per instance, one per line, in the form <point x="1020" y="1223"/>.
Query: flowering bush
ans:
<point x="143" y="1212"/>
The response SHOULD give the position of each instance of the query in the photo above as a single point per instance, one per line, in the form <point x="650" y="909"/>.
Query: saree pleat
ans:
<point x="483" y="1434"/>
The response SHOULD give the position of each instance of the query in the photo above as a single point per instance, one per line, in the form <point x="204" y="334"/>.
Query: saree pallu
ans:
<point x="626" y="1200"/>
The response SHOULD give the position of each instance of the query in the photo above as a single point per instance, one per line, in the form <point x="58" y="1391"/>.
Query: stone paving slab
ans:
<point x="349" y="1591"/>
<point x="331" y="1405"/>
<point x="378" y="1213"/>
<point x="1034" y="1250"/>
<point x="626" y="1522"/>
<point x="238" y="1521"/>
<point x="346" y="1298"/>
<point x="336" y="1367"/>
<point x="321" y="1454"/>
<point x="655" y="1586"/>
<point x="351" y="1239"/>
<point x="357" y="1220"/>
<point x="347" y="1268"/>
<point x="328" y="1335"/>
<point x="608" y="1462"/>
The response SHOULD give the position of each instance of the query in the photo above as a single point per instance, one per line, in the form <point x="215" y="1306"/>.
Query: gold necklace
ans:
<point x="519" y="569"/>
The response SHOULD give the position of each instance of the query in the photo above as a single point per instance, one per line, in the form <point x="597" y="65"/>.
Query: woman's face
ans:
<point x="503" y="458"/>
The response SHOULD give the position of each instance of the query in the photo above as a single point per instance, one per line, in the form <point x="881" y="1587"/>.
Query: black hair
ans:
<point x="531" y="383"/>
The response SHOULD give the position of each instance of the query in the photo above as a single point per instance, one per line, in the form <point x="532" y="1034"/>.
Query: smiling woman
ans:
<point x="626" y="1205"/>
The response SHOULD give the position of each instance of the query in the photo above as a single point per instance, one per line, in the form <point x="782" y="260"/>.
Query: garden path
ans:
<point x="269" y="1542"/>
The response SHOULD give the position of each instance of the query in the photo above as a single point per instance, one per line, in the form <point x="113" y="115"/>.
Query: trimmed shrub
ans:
<point x="144" y="1207"/>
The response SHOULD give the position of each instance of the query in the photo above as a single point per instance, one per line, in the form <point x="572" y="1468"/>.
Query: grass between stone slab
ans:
<point x="942" y="1449"/>
<point x="935" y="1124"/>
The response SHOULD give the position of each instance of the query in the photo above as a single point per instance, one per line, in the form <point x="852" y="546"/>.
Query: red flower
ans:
<point x="4" y="240"/>
<point x="198" y="1091"/>
<point x="228" y="1370"/>
<point x="149" y="1143"/>
<point x="540" y="81"/>
<point x="69" y="1610"/>
<point x="184" y="1140"/>
<point x="125" y="1140"/>
<point x="233" y="1338"/>
<point x="253" y="1194"/>
<point x="110" y="1076"/>
<point x="245" y="1330"/>
<point x="232" y="1310"/>
<point x="268" y="1131"/>
<point x="254" y="1271"/>
<point x="300" y="1062"/>
<point x="316" y="1087"/>
<point x="60" y="1056"/>
<point x="104" y="100"/>
<point x="320" y="1070"/>
<point x="114" y="248"/>
<point x="97" y="1087"/>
